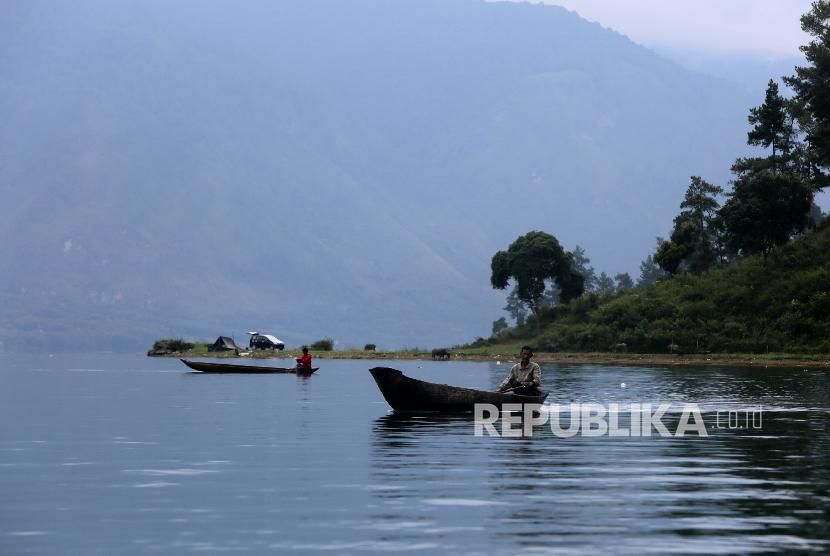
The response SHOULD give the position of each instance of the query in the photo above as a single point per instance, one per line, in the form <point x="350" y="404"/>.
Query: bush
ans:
<point x="173" y="344"/>
<point x="483" y="342"/>
<point x="326" y="344"/>
<point x="548" y="344"/>
<point x="169" y="345"/>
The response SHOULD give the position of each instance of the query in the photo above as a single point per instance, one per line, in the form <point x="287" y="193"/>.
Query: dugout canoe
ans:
<point x="409" y="394"/>
<point x="247" y="369"/>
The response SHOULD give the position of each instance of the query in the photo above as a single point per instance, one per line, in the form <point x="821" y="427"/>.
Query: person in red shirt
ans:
<point x="304" y="362"/>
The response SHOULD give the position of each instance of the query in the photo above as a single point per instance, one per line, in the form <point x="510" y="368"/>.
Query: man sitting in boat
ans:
<point x="525" y="377"/>
<point x="304" y="362"/>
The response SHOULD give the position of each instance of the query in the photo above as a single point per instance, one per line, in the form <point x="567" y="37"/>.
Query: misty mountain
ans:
<point x="750" y="72"/>
<point x="324" y="168"/>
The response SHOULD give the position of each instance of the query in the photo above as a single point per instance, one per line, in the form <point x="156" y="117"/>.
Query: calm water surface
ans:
<point x="126" y="454"/>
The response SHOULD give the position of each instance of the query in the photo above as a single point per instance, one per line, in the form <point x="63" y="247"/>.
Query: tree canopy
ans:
<point x="771" y="128"/>
<point x="811" y="83"/>
<point x="583" y="265"/>
<point x="692" y="243"/>
<point x="650" y="271"/>
<point x="771" y="196"/>
<point x="764" y="210"/>
<point x="624" y="282"/>
<point x="533" y="260"/>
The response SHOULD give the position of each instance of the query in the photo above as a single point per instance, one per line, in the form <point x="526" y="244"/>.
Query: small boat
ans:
<point x="251" y="369"/>
<point x="408" y="394"/>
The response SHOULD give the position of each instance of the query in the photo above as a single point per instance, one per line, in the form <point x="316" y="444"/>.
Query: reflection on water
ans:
<point x="141" y="457"/>
<point x="735" y="491"/>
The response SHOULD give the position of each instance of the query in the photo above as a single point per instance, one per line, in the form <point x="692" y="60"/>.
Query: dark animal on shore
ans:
<point x="369" y="347"/>
<point x="674" y="348"/>
<point x="441" y="353"/>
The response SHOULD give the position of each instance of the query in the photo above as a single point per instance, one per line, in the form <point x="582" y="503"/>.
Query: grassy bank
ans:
<point x="506" y="354"/>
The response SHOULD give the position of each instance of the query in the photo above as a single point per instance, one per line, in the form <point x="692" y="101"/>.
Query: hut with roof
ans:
<point x="223" y="343"/>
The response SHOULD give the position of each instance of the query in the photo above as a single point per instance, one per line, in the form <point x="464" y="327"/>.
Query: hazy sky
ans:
<point x="765" y="29"/>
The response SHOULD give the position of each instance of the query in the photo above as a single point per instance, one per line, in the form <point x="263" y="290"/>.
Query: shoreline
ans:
<point x="738" y="360"/>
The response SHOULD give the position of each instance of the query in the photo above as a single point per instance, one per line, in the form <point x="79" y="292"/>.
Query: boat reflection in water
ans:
<point x="435" y="480"/>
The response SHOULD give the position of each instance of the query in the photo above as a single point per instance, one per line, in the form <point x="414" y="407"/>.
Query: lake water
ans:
<point x="126" y="454"/>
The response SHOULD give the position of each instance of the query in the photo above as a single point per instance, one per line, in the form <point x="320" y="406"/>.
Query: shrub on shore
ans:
<point x="326" y="344"/>
<point x="170" y="345"/>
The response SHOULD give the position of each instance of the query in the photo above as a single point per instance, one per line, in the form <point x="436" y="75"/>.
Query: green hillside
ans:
<point x="746" y="307"/>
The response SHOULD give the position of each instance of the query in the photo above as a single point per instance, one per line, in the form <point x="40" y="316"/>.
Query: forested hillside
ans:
<point x="746" y="268"/>
<point x="745" y="307"/>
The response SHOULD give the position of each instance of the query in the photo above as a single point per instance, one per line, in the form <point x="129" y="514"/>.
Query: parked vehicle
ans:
<point x="265" y="341"/>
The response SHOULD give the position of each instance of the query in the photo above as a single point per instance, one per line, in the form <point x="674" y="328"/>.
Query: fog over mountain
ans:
<point x="324" y="168"/>
<point x="751" y="73"/>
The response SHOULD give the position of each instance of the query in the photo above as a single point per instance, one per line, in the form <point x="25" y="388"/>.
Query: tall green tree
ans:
<point x="771" y="126"/>
<point x="650" y="271"/>
<point x="764" y="210"/>
<point x="804" y="160"/>
<point x="499" y="325"/>
<point x="583" y="265"/>
<point x="515" y="307"/>
<point x="700" y="202"/>
<point x="534" y="260"/>
<point x="669" y="256"/>
<point x="624" y="282"/>
<point x="811" y="84"/>
<point x="691" y="246"/>
<point x="771" y="196"/>
<point x="605" y="284"/>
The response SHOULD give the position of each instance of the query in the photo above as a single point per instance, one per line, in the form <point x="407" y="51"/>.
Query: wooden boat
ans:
<point x="408" y="394"/>
<point x="250" y="369"/>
